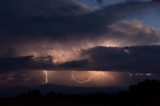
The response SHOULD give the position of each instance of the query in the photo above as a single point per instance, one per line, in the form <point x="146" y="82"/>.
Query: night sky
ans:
<point x="85" y="43"/>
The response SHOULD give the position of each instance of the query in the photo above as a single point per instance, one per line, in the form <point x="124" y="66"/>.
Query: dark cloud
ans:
<point x="134" y="59"/>
<point x="30" y="22"/>
<point x="25" y="63"/>
<point x="58" y="20"/>
<point x="77" y="64"/>
<point x="100" y="1"/>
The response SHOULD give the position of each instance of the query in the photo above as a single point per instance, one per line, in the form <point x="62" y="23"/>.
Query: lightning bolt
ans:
<point x="80" y="81"/>
<point x="93" y="75"/>
<point x="46" y="77"/>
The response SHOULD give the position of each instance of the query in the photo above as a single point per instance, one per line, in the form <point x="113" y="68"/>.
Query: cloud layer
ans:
<point x="30" y="27"/>
<point x="133" y="59"/>
<point x="126" y="59"/>
<point x="57" y="21"/>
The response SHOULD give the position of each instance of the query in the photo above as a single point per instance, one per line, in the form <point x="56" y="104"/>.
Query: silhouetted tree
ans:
<point x="146" y="89"/>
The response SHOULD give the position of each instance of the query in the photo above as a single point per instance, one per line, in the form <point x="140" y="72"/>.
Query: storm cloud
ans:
<point x="28" y="23"/>
<point x="25" y="63"/>
<point x="144" y="59"/>
<point x="33" y="21"/>
<point x="134" y="59"/>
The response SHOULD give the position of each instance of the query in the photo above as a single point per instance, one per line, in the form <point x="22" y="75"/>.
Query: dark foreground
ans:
<point x="146" y="93"/>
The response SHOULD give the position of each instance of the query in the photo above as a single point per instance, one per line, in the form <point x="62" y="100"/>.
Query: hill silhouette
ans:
<point x="146" y="93"/>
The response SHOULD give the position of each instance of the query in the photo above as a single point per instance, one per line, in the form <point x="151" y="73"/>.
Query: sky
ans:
<point x="79" y="42"/>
